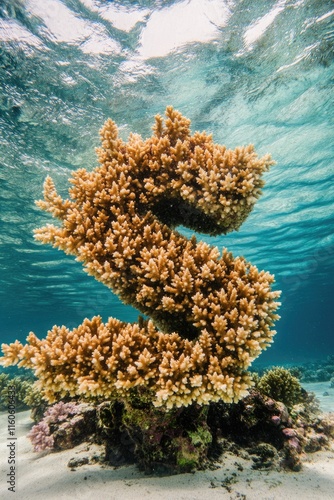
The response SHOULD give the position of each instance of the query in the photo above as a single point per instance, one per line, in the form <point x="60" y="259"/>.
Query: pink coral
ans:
<point x="40" y="436"/>
<point x="41" y="433"/>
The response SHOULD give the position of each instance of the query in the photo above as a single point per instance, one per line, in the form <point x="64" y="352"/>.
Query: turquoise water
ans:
<point x="247" y="71"/>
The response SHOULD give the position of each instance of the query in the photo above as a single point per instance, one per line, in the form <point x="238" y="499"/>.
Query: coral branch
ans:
<point x="214" y="312"/>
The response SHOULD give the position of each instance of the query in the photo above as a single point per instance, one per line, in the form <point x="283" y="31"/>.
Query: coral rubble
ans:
<point x="211" y="314"/>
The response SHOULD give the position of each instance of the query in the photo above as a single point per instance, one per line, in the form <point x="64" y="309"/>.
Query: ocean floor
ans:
<point x="47" y="476"/>
<point x="324" y="393"/>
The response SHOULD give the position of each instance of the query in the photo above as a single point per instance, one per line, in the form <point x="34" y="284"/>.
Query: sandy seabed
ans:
<point x="47" y="476"/>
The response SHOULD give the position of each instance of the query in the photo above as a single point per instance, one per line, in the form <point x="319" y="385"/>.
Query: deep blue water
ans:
<point x="247" y="71"/>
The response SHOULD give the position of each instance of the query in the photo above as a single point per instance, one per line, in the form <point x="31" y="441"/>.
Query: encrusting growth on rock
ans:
<point x="211" y="314"/>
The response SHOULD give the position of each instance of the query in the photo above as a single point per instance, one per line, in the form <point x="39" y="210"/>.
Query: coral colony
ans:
<point x="210" y="315"/>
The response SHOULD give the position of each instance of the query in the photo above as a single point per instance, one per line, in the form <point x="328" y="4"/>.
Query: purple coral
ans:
<point x="59" y="412"/>
<point x="40" y="436"/>
<point x="41" y="433"/>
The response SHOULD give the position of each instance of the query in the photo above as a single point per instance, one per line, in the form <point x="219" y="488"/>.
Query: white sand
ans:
<point x="324" y="393"/>
<point x="41" y="476"/>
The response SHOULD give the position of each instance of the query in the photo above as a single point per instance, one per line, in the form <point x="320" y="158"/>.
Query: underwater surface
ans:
<point x="258" y="72"/>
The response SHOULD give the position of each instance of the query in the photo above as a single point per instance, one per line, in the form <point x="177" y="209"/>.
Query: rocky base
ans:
<point x="272" y="434"/>
<point x="158" y="441"/>
<point x="192" y="438"/>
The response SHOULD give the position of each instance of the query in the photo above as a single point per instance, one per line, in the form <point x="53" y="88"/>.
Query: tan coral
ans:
<point x="214" y="312"/>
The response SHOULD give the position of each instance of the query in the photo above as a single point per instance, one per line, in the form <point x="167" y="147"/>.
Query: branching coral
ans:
<point x="211" y="314"/>
<point x="280" y="384"/>
<point x="21" y="386"/>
